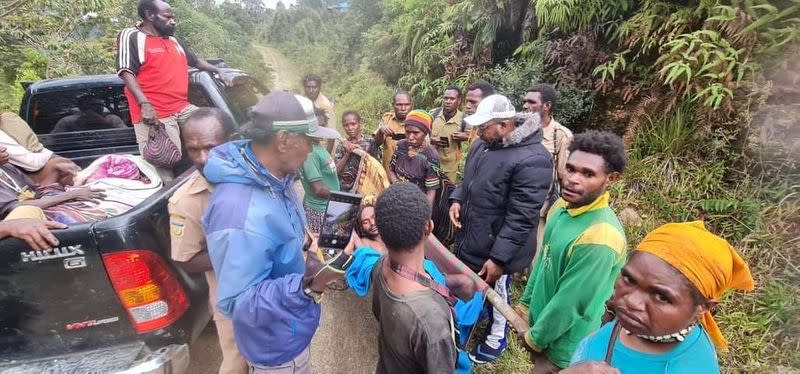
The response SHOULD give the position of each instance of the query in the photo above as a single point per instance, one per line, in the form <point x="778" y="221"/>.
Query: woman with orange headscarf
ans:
<point x="663" y="301"/>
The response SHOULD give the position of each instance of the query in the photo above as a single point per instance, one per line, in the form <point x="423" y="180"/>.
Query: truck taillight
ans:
<point x="147" y="288"/>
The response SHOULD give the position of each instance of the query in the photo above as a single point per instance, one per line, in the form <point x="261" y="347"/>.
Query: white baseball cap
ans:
<point x="492" y="107"/>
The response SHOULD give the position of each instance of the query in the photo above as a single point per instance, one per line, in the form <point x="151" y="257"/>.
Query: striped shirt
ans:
<point x="161" y="67"/>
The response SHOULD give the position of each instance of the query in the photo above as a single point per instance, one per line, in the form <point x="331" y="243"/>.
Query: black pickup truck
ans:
<point x="109" y="298"/>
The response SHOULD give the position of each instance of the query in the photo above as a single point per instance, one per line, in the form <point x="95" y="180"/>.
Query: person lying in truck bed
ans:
<point x="19" y="200"/>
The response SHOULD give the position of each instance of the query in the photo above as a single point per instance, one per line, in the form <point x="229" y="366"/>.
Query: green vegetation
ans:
<point x="54" y="38"/>
<point x="682" y="81"/>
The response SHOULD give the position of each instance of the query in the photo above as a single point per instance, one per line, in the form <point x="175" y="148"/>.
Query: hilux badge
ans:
<point x="68" y="251"/>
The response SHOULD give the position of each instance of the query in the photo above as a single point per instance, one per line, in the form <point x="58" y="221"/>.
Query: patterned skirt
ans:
<point x="314" y="219"/>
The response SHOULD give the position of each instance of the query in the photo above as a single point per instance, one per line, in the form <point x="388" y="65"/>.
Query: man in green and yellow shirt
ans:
<point x="447" y="122"/>
<point x="583" y="250"/>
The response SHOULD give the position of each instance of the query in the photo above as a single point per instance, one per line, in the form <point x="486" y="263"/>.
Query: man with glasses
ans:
<point x="496" y="207"/>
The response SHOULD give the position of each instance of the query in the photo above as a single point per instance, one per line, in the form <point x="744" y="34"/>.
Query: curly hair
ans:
<point x="604" y="144"/>
<point x="453" y="88"/>
<point x="401" y="214"/>
<point x="401" y="93"/>
<point x="351" y="113"/>
<point x="366" y="202"/>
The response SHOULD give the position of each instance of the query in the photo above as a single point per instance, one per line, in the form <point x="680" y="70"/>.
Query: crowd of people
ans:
<point x="510" y="192"/>
<point x="656" y="300"/>
<point x="530" y="197"/>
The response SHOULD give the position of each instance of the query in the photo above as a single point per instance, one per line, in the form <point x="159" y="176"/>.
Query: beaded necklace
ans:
<point x="669" y="338"/>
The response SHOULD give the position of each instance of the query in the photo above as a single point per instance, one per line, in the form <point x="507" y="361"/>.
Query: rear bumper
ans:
<point x="133" y="358"/>
<point x="172" y="359"/>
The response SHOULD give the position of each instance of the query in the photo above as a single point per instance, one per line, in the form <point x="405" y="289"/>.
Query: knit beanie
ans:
<point x="419" y="119"/>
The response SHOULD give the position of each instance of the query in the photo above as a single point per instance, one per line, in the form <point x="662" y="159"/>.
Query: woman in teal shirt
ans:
<point x="662" y="302"/>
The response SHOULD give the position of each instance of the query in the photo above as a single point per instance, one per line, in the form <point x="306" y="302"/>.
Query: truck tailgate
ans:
<point x="57" y="302"/>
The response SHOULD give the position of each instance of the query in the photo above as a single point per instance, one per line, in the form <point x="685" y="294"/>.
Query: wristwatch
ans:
<point x="314" y="295"/>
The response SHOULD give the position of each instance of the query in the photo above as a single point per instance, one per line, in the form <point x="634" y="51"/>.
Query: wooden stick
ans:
<point x="515" y="320"/>
<point x="448" y="263"/>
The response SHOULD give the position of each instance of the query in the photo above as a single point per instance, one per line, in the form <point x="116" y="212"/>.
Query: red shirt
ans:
<point x="161" y="66"/>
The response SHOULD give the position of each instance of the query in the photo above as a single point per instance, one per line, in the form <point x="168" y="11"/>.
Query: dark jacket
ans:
<point x="501" y="195"/>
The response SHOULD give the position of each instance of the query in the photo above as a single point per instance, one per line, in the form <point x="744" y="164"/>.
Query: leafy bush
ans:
<point x="367" y="94"/>
<point x="669" y="134"/>
<point x="514" y="77"/>
<point x="574" y="108"/>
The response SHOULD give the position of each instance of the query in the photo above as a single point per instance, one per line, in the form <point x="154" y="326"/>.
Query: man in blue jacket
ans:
<point x="255" y="232"/>
<point x="496" y="207"/>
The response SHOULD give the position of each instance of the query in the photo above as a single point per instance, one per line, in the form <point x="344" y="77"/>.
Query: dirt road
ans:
<point x="204" y="353"/>
<point x="285" y="76"/>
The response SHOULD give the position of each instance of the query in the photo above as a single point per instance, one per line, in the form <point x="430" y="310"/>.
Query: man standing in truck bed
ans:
<point x="312" y="86"/>
<point x="155" y="67"/>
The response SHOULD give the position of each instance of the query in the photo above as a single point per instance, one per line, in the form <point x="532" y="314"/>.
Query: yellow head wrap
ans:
<point x="706" y="260"/>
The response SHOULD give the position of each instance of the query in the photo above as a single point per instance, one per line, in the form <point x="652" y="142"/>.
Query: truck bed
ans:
<point x="63" y="302"/>
<point x="63" y="311"/>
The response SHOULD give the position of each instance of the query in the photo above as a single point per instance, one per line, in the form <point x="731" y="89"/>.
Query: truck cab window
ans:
<point x="80" y="110"/>
<point x="197" y="96"/>
<point x="244" y="93"/>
